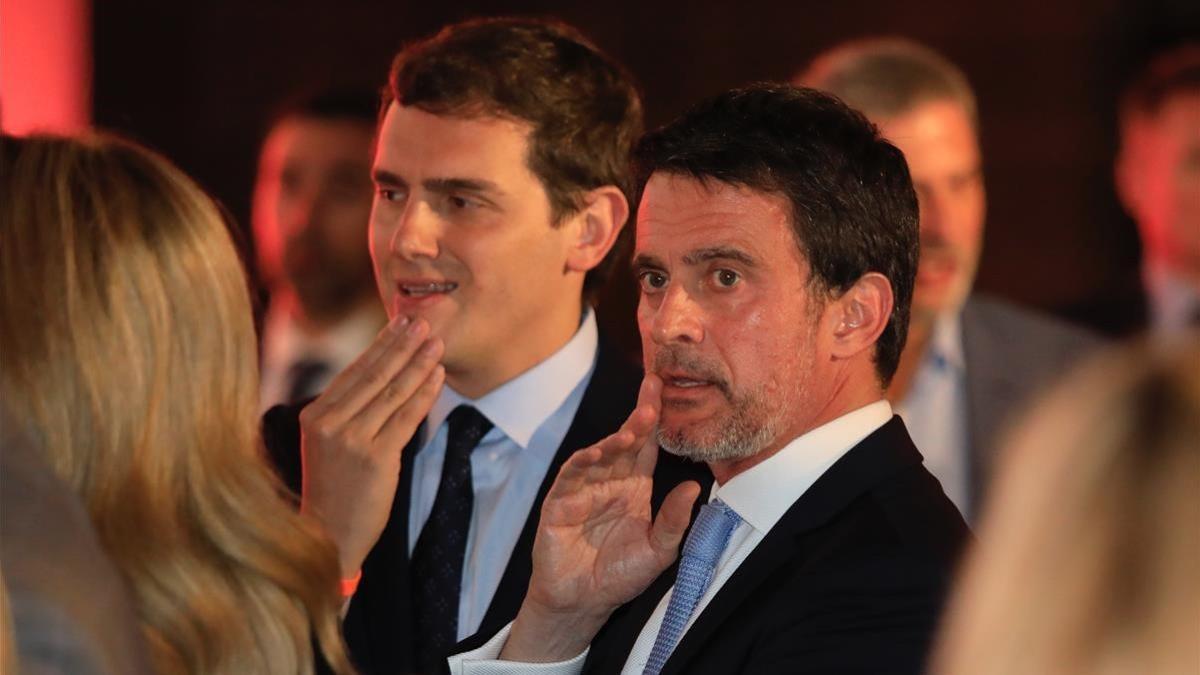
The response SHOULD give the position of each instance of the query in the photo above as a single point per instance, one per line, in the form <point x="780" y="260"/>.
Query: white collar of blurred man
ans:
<point x="312" y="204"/>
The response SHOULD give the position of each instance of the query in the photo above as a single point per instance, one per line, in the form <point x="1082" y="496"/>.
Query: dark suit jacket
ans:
<point x="72" y="611"/>
<point x="850" y="580"/>
<point x="1011" y="354"/>
<point x="379" y="627"/>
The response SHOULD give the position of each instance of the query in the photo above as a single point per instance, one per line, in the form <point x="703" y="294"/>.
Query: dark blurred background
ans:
<point x="199" y="80"/>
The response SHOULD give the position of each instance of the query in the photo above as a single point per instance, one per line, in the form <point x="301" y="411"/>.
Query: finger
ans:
<point x="363" y="384"/>
<point x="636" y="428"/>
<point x="574" y="471"/>
<point x="641" y="424"/>
<point x="647" y="455"/>
<point x="649" y="398"/>
<point x="618" y="453"/>
<point x="673" y="517"/>
<point x="400" y="426"/>
<point x="650" y="392"/>
<point x="383" y="341"/>
<point x="396" y="393"/>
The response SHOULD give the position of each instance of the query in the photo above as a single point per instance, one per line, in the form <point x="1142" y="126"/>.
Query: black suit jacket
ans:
<point x="850" y="580"/>
<point x="379" y="627"/>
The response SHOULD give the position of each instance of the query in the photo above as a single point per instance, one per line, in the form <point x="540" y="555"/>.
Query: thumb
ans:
<point x="672" y="521"/>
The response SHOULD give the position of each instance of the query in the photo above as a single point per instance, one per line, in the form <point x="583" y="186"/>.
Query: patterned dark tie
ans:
<point x="437" y="560"/>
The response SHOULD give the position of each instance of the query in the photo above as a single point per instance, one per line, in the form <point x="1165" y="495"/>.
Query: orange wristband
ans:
<point x="351" y="584"/>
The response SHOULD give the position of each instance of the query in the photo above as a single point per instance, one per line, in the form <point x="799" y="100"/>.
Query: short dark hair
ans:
<point x="332" y="103"/>
<point x="1170" y="73"/>
<point x="853" y="206"/>
<point x="584" y="108"/>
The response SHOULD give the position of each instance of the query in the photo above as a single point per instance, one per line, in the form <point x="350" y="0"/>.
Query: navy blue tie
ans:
<point x="437" y="560"/>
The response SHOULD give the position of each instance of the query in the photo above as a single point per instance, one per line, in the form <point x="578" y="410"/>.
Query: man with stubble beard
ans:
<point x="776" y="252"/>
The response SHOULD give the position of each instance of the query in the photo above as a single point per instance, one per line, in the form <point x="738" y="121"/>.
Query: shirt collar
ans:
<point x="765" y="491"/>
<point x="521" y="405"/>
<point x="1172" y="298"/>
<point x="946" y="346"/>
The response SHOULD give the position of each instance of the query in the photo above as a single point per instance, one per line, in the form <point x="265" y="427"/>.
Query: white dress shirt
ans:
<point x="531" y="414"/>
<point x="284" y="343"/>
<point x="760" y="495"/>
<point x="935" y="411"/>
<point x="1174" y="301"/>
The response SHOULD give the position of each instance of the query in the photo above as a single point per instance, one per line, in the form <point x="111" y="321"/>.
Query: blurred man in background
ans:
<point x="312" y="203"/>
<point x="969" y="360"/>
<point x="1158" y="181"/>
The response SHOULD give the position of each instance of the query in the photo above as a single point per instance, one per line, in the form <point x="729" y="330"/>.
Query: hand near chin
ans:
<point x="597" y="546"/>
<point x="352" y="436"/>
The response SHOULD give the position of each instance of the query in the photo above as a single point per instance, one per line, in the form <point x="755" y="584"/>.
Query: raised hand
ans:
<point x="352" y="436"/>
<point x="597" y="546"/>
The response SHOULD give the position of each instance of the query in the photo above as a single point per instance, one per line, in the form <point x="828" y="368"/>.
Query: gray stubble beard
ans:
<point x="741" y="436"/>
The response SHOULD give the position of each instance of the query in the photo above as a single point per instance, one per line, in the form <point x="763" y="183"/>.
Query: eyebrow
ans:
<point x="440" y="185"/>
<point x="445" y="185"/>
<point x="382" y="177"/>
<point x="643" y="261"/>
<point x="719" y="253"/>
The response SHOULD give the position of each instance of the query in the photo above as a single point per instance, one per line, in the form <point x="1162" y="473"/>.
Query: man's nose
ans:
<point x="933" y="216"/>
<point x="677" y="318"/>
<point x="417" y="232"/>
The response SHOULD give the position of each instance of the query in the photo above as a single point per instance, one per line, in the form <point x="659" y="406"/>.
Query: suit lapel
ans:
<point x="380" y="610"/>
<point x="876" y="457"/>
<point x="611" y="647"/>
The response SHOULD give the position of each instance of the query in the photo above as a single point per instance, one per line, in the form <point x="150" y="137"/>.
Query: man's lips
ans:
<point x="414" y="294"/>
<point x="684" y="382"/>
<point x="688" y="376"/>
<point x="936" y="268"/>
<point x="422" y="288"/>
<point x="688" y="392"/>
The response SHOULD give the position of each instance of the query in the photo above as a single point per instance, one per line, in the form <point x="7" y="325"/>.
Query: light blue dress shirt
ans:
<point x="935" y="411"/>
<point x="531" y="414"/>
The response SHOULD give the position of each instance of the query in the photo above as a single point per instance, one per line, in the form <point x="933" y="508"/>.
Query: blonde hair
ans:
<point x="1088" y="549"/>
<point x="126" y="341"/>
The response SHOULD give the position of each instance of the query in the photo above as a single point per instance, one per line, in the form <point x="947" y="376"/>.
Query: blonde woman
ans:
<point x="126" y="344"/>
<point x="1088" y="552"/>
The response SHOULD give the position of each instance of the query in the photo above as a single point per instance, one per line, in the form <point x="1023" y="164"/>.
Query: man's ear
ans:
<point x="861" y="314"/>
<point x="596" y="227"/>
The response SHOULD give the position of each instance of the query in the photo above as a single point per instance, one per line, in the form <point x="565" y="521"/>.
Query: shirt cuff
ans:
<point x="486" y="661"/>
